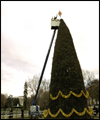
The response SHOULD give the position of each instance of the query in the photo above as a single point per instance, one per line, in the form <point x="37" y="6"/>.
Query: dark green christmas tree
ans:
<point x="66" y="76"/>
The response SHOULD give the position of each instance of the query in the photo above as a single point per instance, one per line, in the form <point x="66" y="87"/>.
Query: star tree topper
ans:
<point x="59" y="13"/>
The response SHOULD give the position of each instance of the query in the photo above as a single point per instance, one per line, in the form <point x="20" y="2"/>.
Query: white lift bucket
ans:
<point x="55" y="23"/>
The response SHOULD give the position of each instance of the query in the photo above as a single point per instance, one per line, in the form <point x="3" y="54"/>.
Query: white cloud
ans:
<point x="12" y="80"/>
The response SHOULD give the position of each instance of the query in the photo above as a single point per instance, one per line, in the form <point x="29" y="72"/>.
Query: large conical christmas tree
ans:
<point x="68" y="98"/>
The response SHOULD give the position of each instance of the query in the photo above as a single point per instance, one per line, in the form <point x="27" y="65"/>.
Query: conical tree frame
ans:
<point x="66" y="76"/>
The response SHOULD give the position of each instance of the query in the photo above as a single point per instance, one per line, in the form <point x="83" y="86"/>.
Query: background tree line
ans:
<point x="30" y="87"/>
<point x="8" y="101"/>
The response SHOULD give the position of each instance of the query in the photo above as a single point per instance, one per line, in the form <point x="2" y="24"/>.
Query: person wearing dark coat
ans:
<point x="95" y="110"/>
<point x="98" y="110"/>
<point x="22" y="113"/>
<point x="11" y="113"/>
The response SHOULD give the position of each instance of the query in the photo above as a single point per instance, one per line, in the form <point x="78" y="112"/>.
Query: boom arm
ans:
<point x="34" y="102"/>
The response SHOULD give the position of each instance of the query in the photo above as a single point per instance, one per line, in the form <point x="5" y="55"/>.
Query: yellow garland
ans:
<point x="46" y="112"/>
<point x="76" y="95"/>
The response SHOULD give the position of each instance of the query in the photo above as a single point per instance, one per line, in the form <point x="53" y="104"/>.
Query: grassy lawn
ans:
<point x="15" y="116"/>
<point x="27" y="117"/>
<point x="96" y="117"/>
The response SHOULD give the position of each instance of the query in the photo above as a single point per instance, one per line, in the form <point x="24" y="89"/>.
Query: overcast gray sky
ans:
<point x="26" y="35"/>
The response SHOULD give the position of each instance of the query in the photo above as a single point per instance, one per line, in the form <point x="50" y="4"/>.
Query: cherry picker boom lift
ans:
<point x="34" y="109"/>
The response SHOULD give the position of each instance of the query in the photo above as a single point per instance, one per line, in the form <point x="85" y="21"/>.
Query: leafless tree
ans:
<point x="33" y="84"/>
<point x="32" y="87"/>
<point x="89" y="77"/>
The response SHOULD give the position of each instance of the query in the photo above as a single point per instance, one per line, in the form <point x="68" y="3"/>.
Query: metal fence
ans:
<point x="14" y="114"/>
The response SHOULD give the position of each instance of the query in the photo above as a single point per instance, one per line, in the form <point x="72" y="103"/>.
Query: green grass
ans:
<point x="16" y="116"/>
<point x="96" y="117"/>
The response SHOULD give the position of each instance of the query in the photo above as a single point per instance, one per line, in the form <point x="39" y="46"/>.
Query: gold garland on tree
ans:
<point x="46" y="112"/>
<point x="67" y="96"/>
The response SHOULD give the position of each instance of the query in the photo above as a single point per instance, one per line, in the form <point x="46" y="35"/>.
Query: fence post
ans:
<point x="3" y="114"/>
<point x="16" y="113"/>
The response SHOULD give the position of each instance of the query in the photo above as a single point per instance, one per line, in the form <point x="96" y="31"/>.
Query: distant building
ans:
<point x="21" y="100"/>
